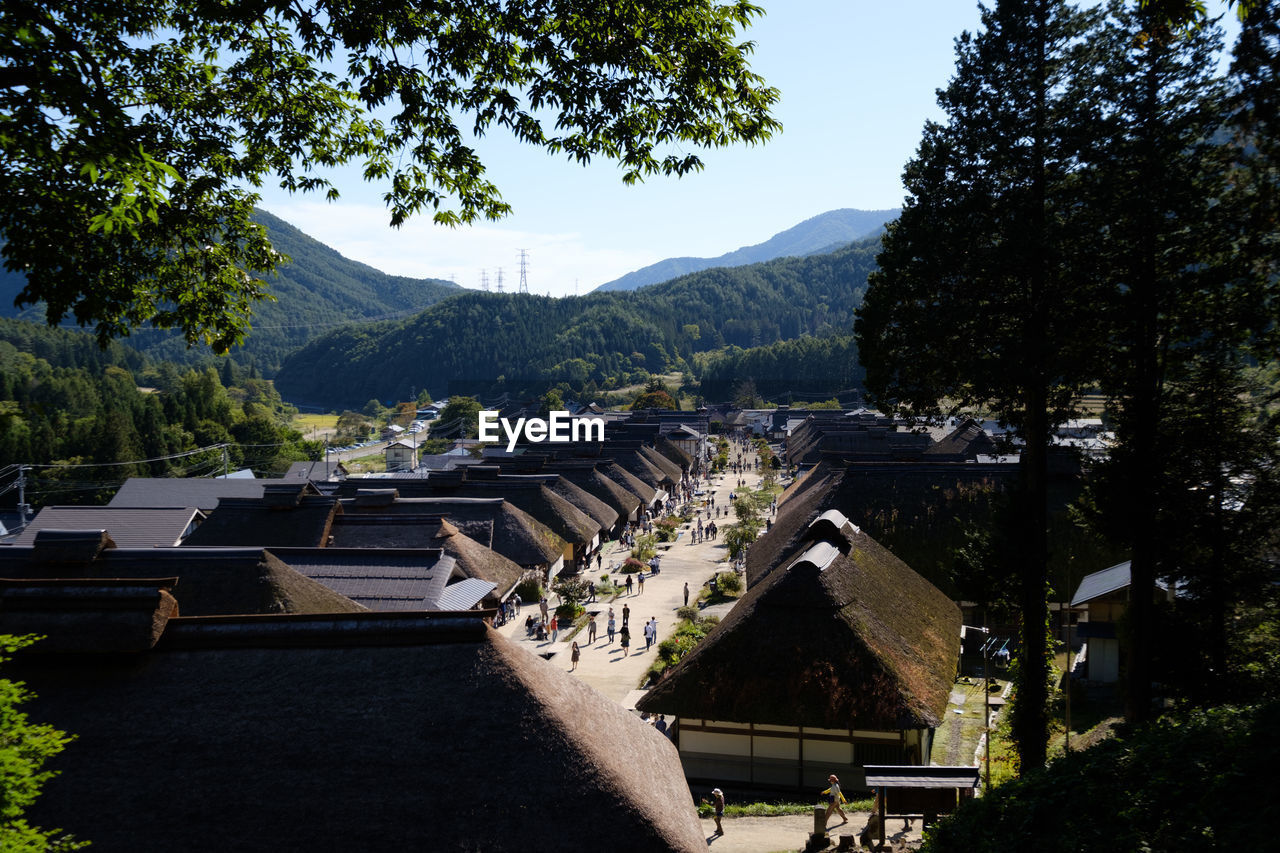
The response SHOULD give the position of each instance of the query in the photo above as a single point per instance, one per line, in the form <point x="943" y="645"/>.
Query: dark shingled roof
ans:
<point x="842" y="635"/>
<point x="211" y="581"/>
<point x="490" y="521"/>
<point x="430" y="530"/>
<point x="268" y="521"/>
<point x="130" y="527"/>
<point x="379" y="579"/>
<point x="368" y="732"/>
<point x="205" y="494"/>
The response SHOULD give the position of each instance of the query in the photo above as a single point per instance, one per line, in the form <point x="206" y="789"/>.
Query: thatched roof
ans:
<point x="669" y="469"/>
<point x="366" y="732"/>
<point x="490" y="521"/>
<point x="966" y="442"/>
<point x="629" y="482"/>
<point x="211" y="581"/>
<point x="429" y="530"/>
<point x="842" y="635"/>
<point x="674" y="452"/>
<point x="268" y="521"/>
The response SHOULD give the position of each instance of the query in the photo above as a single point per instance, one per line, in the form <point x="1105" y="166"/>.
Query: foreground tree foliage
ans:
<point x="132" y="130"/>
<point x="1189" y="781"/>
<point x="24" y="748"/>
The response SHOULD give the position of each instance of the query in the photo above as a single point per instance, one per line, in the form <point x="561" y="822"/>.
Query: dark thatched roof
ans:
<point x="843" y="635"/>
<point x="490" y="521"/>
<point x="966" y="442"/>
<point x="669" y="469"/>
<point x="211" y="581"/>
<point x="267" y="521"/>
<point x="365" y="732"/>
<point x="429" y="530"/>
<point x="645" y="489"/>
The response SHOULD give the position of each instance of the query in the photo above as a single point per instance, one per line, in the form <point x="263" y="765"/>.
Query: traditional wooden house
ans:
<point x="322" y="730"/>
<point x="840" y="657"/>
<point x="1104" y="597"/>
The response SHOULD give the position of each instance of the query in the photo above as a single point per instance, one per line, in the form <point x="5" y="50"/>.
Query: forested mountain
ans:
<point x="318" y="289"/>
<point x="488" y="341"/>
<point x="795" y="370"/>
<point x="67" y="403"/>
<point x="824" y="233"/>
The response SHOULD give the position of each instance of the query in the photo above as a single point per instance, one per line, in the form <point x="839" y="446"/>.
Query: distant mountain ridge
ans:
<point x="821" y="234"/>
<point x="317" y="290"/>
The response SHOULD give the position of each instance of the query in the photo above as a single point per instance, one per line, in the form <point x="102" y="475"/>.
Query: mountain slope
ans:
<point x="481" y="342"/>
<point x="317" y="290"/>
<point x="822" y="234"/>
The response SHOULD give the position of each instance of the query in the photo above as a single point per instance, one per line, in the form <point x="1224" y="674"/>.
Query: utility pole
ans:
<point x="499" y="279"/>
<point x="524" y="271"/>
<point x="23" y="509"/>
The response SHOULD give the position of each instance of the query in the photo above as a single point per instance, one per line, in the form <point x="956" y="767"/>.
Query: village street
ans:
<point x="603" y="665"/>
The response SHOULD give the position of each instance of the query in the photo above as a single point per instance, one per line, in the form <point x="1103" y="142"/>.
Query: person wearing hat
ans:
<point x="834" y="799"/>
<point x="717" y="798"/>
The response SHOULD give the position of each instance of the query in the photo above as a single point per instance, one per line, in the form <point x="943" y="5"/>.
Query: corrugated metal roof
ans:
<point x="129" y="527"/>
<point x="1102" y="583"/>
<point x="464" y="594"/>
<point x="377" y="579"/>
<point x="921" y="776"/>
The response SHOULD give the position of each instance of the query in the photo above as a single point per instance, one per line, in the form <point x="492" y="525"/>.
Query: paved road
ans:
<point x="603" y="665"/>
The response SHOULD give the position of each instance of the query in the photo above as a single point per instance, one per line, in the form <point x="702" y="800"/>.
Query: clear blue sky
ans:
<point x="858" y="81"/>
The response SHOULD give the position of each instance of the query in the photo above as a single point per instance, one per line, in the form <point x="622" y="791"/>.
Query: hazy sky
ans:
<point x="858" y="81"/>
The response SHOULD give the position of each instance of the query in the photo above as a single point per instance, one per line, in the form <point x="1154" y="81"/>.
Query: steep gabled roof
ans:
<point x="130" y="527"/>
<point x="302" y="523"/>
<point x="210" y="581"/>
<point x="842" y="635"/>
<point x="490" y="521"/>
<point x="374" y="731"/>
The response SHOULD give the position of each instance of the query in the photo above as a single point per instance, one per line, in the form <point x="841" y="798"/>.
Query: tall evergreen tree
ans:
<point x="1182" y="310"/>
<point x="975" y="302"/>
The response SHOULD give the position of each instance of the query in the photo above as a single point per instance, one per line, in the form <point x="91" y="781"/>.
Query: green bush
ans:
<point x="730" y="583"/>
<point x="1188" y="781"/>
<point x="688" y="614"/>
<point x="631" y="565"/>
<point x="529" y="590"/>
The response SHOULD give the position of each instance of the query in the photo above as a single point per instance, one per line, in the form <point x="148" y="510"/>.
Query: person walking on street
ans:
<point x="591" y="629"/>
<point x="625" y="637"/>
<point x="612" y="625"/>
<point x="686" y="593"/>
<point x="555" y="627"/>
<point x="834" y="801"/>
<point x="629" y="585"/>
<point x="626" y="615"/>
<point x="574" y="655"/>
<point x="641" y="576"/>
